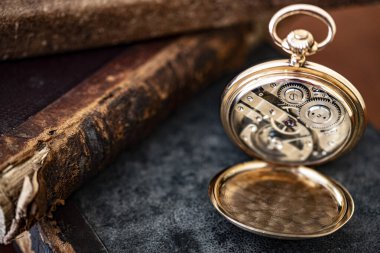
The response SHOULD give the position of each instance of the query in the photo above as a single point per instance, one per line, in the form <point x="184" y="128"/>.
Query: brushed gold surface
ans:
<point x="281" y="202"/>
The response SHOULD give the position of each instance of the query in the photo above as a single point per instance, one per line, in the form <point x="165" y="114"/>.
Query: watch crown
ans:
<point x="300" y="42"/>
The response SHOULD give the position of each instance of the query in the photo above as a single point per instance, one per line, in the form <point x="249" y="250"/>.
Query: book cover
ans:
<point x="51" y="152"/>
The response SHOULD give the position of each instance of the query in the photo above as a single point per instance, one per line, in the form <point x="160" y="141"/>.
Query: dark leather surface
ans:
<point x="154" y="198"/>
<point x="27" y="86"/>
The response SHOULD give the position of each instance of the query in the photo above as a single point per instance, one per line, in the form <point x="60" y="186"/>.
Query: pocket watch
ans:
<point x="289" y="114"/>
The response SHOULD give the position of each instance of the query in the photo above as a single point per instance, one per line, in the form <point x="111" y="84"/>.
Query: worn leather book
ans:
<point x="68" y="231"/>
<point x="65" y="117"/>
<point x="38" y="27"/>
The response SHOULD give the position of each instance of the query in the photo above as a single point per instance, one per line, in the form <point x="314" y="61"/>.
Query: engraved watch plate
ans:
<point x="280" y="202"/>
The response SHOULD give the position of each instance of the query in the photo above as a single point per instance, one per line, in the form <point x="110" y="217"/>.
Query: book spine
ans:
<point x="67" y="231"/>
<point x="34" y="27"/>
<point x="52" y="153"/>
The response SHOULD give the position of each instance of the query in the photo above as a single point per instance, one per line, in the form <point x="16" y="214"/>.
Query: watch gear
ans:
<point x="293" y="94"/>
<point x="320" y="113"/>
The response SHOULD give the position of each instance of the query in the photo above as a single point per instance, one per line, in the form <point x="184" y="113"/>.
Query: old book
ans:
<point x="38" y="27"/>
<point x="49" y="152"/>
<point x="65" y="232"/>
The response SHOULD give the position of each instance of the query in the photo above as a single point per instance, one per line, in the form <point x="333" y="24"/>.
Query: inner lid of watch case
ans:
<point x="280" y="202"/>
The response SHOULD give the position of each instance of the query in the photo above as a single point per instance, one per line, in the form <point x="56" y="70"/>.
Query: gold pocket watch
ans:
<point x="289" y="114"/>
